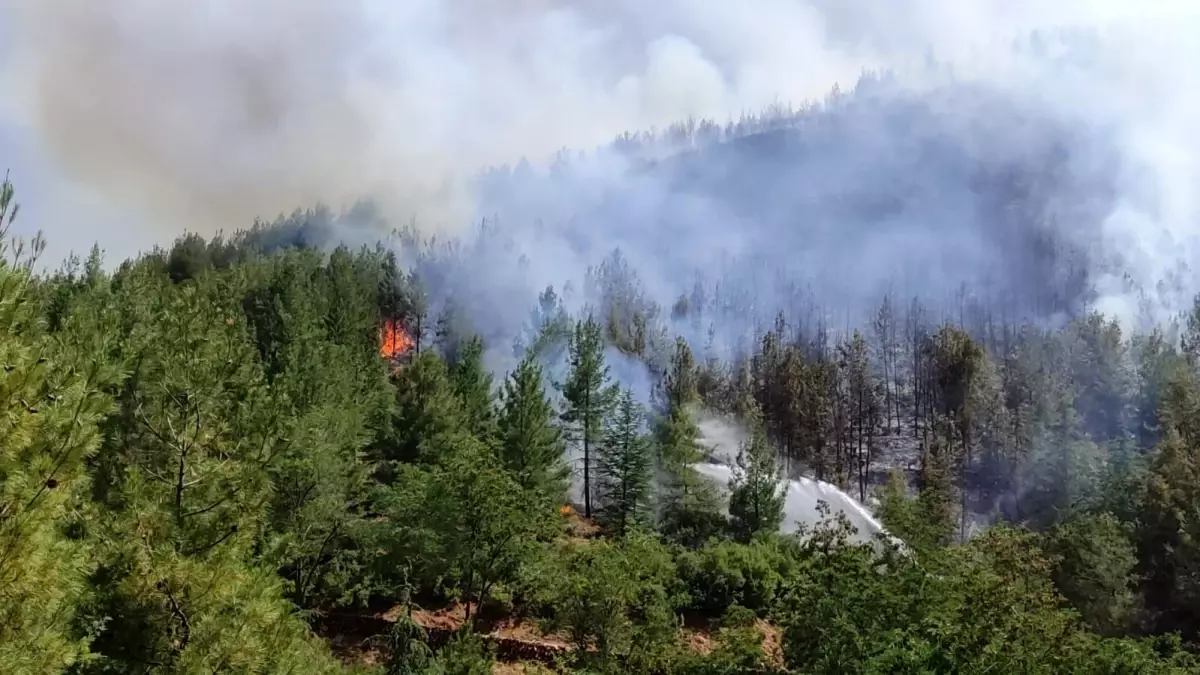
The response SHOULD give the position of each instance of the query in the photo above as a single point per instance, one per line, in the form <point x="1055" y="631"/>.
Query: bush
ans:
<point x="466" y="654"/>
<point x="722" y="574"/>
<point x="616" y="598"/>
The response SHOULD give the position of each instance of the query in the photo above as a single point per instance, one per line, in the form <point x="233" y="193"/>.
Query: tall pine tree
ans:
<point x="589" y="396"/>
<point x="623" y="467"/>
<point x="530" y="446"/>
<point x="757" y="491"/>
<point x="47" y="429"/>
<point x="473" y="384"/>
<point x="689" y="506"/>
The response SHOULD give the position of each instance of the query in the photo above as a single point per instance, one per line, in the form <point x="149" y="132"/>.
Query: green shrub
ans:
<point x="726" y="573"/>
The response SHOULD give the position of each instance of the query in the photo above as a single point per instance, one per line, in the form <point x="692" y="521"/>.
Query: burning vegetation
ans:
<point x="394" y="341"/>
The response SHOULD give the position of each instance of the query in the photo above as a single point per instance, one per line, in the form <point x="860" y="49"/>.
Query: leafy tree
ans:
<point x="739" y="645"/>
<point x="989" y="606"/>
<point x="723" y="574"/>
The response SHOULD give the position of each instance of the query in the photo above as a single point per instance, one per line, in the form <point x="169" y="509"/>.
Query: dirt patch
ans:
<point x="698" y="641"/>
<point x="699" y="635"/>
<point x="447" y="618"/>
<point x="520" y="645"/>
<point x="515" y="639"/>
<point x="772" y="643"/>
<point x="362" y="651"/>
<point x="501" y="668"/>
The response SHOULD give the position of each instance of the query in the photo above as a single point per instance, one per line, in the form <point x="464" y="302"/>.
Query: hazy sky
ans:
<point x="129" y="121"/>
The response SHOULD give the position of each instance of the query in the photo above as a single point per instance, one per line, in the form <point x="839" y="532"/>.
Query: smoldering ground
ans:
<point x="1046" y="170"/>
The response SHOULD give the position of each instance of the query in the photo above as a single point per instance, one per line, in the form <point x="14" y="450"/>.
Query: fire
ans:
<point x="394" y="341"/>
<point x="566" y="509"/>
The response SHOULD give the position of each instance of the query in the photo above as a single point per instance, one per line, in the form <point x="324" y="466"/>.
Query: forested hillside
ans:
<point x="259" y="455"/>
<point x="958" y="190"/>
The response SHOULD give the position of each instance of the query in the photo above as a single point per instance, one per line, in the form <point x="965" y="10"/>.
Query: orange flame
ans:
<point x="566" y="509"/>
<point x="394" y="341"/>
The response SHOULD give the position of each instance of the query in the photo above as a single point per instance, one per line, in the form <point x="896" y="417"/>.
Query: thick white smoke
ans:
<point x="204" y="115"/>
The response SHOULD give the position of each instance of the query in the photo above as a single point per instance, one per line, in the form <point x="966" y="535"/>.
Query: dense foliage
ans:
<point x="203" y="455"/>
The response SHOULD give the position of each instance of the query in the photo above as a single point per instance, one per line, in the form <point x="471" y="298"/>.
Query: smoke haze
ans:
<point x="143" y="119"/>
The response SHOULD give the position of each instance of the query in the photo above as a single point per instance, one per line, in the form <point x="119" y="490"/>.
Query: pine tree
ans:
<point x="548" y="329"/>
<point x="623" y="467"/>
<point x="936" y="497"/>
<point x="1095" y="560"/>
<point x="530" y="446"/>
<point x="409" y="651"/>
<point x="861" y="407"/>
<point x="473" y="384"/>
<point x="427" y="407"/>
<point x="47" y="431"/>
<point x="351" y="316"/>
<point x="959" y="375"/>
<point x="757" y="491"/>
<point x="884" y="325"/>
<point x="898" y="511"/>
<point x="319" y="480"/>
<point x="680" y="382"/>
<point x="479" y="521"/>
<point x="1171" y="535"/>
<point x="193" y="447"/>
<point x="589" y="397"/>
<point x="690" y="507"/>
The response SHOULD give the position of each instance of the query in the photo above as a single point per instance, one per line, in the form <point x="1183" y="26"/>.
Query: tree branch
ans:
<point x="184" y="624"/>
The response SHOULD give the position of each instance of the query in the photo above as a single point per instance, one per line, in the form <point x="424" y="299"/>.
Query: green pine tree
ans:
<point x="52" y="404"/>
<point x="589" y="397"/>
<point x="427" y="408"/>
<point x="680" y="385"/>
<point x="473" y="384"/>
<point x="757" y="491"/>
<point x="465" y="521"/>
<point x="623" y="467"/>
<point x="530" y="445"/>
<point x="936" y="500"/>
<point x="690" y="506"/>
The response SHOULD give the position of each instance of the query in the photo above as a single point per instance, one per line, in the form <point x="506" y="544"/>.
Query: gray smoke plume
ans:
<point x="204" y="115"/>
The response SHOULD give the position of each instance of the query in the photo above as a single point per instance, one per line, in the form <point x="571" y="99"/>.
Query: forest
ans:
<point x="279" y="452"/>
<point x="233" y="455"/>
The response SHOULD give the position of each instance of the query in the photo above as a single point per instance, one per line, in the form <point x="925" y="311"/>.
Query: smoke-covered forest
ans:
<point x="312" y="446"/>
